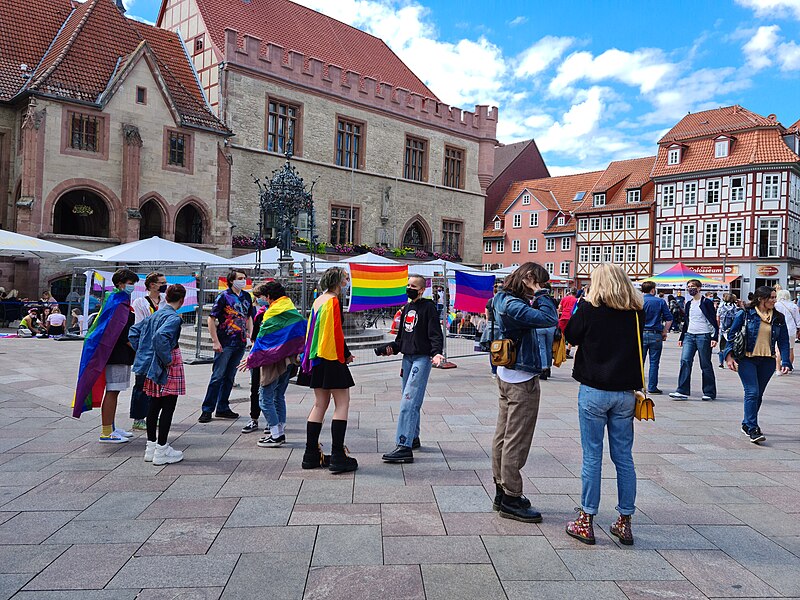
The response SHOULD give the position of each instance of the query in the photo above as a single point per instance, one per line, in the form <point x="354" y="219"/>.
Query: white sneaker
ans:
<point x="149" y="451"/>
<point x="166" y="455"/>
<point x="123" y="433"/>
<point x="114" y="438"/>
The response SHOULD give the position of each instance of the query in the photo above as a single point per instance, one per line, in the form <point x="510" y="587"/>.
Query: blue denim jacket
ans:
<point x="518" y="321"/>
<point x="153" y="339"/>
<point x="780" y="335"/>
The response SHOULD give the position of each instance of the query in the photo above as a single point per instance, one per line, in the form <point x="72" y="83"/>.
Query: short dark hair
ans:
<point x="232" y="275"/>
<point x="152" y="278"/>
<point x="123" y="276"/>
<point x="648" y="286"/>
<point x="272" y="290"/>
<point x="176" y="292"/>
<point x="695" y="282"/>
<point x="420" y="277"/>
<point x="514" y="283"/>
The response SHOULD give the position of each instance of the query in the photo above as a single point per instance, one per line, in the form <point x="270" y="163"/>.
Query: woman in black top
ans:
<point x="607" y="328"/>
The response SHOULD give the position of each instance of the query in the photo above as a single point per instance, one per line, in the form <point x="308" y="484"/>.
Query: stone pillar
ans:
<point x="30" y="218"/>
<point x="131" y="175"/>
<point x="221" y="226"/>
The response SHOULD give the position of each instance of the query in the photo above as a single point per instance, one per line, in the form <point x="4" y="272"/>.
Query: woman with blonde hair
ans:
<point x="607" y="328"/>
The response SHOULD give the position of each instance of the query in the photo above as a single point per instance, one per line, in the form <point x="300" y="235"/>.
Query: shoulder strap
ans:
<point x="639" y="345"/>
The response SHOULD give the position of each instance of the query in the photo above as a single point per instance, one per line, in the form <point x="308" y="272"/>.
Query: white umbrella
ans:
<point x="153" y="250"/>
<point x="267" y="256"/>
<point x="16" y="244"/>
<point x="436" y="268"/>
<point x="504" y="271"/>
<point x="369" y="259"/>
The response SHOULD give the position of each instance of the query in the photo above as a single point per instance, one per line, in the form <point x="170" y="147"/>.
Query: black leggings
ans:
<point x="255" y="386"/>
<point x="160" y="416"/>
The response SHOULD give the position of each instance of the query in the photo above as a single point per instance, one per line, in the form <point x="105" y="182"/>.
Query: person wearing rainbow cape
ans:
<point x="107" y="357"/>
<point x="281" y="337"/>
<point x="325" y="359"/>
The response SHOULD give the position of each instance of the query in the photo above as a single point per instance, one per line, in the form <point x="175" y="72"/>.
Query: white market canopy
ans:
<point x="435" y="268"/>
<point x="153" y="250"/>
<point x="369" y="258"/>
<point x="16" y="244"/>
<point x="270" y="255"/>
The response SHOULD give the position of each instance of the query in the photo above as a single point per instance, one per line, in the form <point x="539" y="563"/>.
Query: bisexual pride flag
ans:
<point x="473" y="291"/>
<point x="377" y="286"/>
<point x="281" y="335"/>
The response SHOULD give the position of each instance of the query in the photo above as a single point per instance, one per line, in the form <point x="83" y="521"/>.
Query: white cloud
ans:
<point x="577" y="124"/>
<point x="541" y="55"/>
<point x="520" y="20"/>
<point x="772" y="8"/>
<point x="788" y="55"/>
<point x="758" y="49"/>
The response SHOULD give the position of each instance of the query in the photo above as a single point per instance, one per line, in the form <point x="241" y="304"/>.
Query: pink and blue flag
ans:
<point x="473" y="291"/>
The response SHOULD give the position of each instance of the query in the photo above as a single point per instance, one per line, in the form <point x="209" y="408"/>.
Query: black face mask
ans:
<point x="412" y="293"/>
<point x="163" y="288"/>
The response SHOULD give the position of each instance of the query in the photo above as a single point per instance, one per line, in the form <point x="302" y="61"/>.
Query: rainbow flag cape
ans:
<point x="97" y="347"/>
<point x="325" y="337"/>
<point x="281" y="335"/>
<point x="472" y="291"/>
<point x="376" y="286"/>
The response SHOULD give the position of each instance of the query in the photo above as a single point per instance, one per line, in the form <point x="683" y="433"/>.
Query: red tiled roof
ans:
<point x="759" y="146"/>
<point x="26" y="30"/>
<point x="623" y="175"/>
<point x="311" y="33"/>
<point x="567" y="227"/>
<point x="95" y="42"/>
<point x="716" y="121"/>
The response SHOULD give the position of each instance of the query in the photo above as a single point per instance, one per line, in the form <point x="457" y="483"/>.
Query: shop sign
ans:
<point x="767" y="270"/>
<point x="711" y="270"/>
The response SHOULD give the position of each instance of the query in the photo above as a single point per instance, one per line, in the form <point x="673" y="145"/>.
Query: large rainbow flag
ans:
<point x="281" y="335"/>
<point x="473" y="291"/>
<point x="325" y="337"/>
<point x="97" y="347"/>
<point x="377" y="286"/>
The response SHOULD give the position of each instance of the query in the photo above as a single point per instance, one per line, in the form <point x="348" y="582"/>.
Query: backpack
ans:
<point x="727" y="316"/>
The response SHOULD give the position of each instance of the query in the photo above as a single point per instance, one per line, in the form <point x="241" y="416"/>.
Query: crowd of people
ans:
<point x="610" y="326"/>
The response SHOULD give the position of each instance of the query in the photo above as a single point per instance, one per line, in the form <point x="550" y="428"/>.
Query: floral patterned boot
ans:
<point x="582" y="528"/>
<point x="622" y="529"/>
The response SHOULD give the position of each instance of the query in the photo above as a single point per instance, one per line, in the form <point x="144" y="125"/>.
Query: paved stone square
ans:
<point x="717" y="516"/>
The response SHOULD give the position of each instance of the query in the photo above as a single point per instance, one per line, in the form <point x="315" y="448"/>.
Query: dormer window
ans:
<point x="526" y="199"/>
<point x="560" y="221"/>
<point x="722" y="147"/>
<point x="599" y="200"/>
<point x="674" y="156"/>
<point x="634" y="196"/>
<point x="497" y="225"/>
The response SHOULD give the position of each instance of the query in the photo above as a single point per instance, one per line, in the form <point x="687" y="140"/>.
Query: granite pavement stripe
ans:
<point x="415" y="550"/>
<point x="211" y="570"/>
<point x="28" y="559"/>
<point x="716" y="574"/>
<point x="461" y="582"/>
<point x="560" y="590"/>
<point x="525" y="558"/>
<point x="70" y="571"/>
<point x="339" y="545"/>
<point x="104" y="531"/>
<point x="398" y="582"/>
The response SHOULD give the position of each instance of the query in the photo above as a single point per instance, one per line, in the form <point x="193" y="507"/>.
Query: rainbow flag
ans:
<point x="473" y="291"/>
<point x="281" y="335"/>
<point x="377" y="286"/>
<point x="325" y="337"/>
<point x="97" y="347"/>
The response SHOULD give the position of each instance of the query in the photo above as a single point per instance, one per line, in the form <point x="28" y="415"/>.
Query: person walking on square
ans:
<point x="490" y="331"/>
<point x="158" y="358"/>
<point x="518" y="385"/>
<point x="155" y="285"/>
<point x="608" y="330"/>
<point x="325" y="360"/>
<point x="280" y="338"/>
<point x="107" y="357"/>
<point x="699" y="336"/>
<point x="726" y="312"/>
<point x="546" y="336"/>
<point x="791" y="314"/>
<point x="255" y="374"/>
<point x="657" y="323"/>
<point x="420" y="340"/>
<point x="230" y="325"/>
<point x="764" y="328"/>
<point x="566" y="308"/>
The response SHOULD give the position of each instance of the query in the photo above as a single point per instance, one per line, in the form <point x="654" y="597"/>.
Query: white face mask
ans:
<point x="239" y="284"/>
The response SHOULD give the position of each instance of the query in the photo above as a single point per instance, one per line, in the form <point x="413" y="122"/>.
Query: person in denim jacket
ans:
<point x="765" y="328"/>
<point x="519" y="385"/>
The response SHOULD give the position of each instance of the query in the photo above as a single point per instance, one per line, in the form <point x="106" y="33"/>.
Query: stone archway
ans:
<point x="189" y="226"/>
<point x="152" y="222"/>
<point x="81" y="212"/>
<point x="417" y="235"/>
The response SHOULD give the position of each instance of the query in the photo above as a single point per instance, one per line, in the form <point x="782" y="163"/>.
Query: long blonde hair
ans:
<point x="612" y="287"/>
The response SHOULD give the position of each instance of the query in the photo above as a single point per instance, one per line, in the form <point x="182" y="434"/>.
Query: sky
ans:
<point x="590" y="81"/>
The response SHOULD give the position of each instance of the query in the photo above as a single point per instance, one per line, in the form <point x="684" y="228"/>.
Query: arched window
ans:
<point x="151" y="223"/>
<point x="81" y="212"/>
<point x="416" y="237"/>
<point x="189" y="225"/>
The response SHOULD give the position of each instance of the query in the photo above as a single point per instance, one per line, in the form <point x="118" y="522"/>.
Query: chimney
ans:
<point x="121" y="6"/>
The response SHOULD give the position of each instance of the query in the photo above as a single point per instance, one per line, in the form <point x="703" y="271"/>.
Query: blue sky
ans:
<point x="591" y="81"/>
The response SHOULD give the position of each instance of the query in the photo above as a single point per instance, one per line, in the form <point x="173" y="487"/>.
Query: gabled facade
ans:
<point x="520" y="161"/>
<point x="730" y="202"/>
<point x="615" y="221"/>
<point x="394" y="166"/>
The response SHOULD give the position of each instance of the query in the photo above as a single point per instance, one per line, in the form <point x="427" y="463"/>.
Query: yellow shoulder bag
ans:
<point x="645" y="407"/>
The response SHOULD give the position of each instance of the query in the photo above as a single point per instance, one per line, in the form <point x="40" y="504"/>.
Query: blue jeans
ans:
<point x="755" y="374"/>
<point x="222" y="375"/>
<point x="494" y="369"/>
<point x="546" y="336"/>
<point x="416" y="370"/>
<point x="699" y="343"/>
<point x="272" y="400"/>
<point x="652" y="343"/>
<point x="598" y="409"/>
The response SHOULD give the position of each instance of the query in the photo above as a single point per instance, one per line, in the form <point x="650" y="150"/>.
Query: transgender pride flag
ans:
<point x="473" y="291"/>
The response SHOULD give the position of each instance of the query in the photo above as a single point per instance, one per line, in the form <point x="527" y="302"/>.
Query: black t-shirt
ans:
<point x="123" y="354"/>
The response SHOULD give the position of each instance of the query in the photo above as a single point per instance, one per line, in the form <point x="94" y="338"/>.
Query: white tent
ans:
<point x="504" y="271"/>
<point x="16" y="244"/>
<point x="435" y="268"/>
<point x="270" y="255"/>
<point x="153" y="250"/>
<point x="369" y="259"/>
